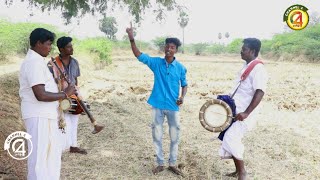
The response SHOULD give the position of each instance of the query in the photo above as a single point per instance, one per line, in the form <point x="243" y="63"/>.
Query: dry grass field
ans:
<point x="284" y="145"/>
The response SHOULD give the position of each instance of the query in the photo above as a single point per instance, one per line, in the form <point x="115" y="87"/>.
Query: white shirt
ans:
<point x="34" y="71"/>
<point x="257" y="79"/>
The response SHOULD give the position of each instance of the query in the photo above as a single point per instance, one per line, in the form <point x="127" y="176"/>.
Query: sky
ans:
<point x="207" y="18"/>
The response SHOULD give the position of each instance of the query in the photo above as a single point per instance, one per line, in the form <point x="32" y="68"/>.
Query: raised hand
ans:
<point x="130" y="32"/>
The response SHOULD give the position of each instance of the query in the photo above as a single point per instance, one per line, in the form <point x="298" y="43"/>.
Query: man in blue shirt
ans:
<point x="169" y="75"/>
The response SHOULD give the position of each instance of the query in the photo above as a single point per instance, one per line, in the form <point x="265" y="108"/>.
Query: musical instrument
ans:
<point x="80" y="102"/>
<point x="72" y="106"/>
<point x="215" y="115"/>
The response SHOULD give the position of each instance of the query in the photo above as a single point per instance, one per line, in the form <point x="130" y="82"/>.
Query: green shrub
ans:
<point x="14" y="37"/>
<point x="100" y="47"/>
<point x="199" y="48"/>
<point x="125" y="45"/>
<point x="159" y="42"/>
<point x="296" y="43"/>
<point x="216" y="49"/>
<point x="234" y="47"/>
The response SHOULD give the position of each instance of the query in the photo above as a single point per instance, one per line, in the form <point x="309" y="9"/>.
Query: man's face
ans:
<point x="67" y="50"/>
<point x="170" y="49"/>
<point x="246" y="52"/>
<point x="44" y="48"/>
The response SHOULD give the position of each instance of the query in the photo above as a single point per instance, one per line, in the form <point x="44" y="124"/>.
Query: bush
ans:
<point x="234" y="47"/>
<point x="216" y="49"/>
<point x="159" y="42"/>
<point x="296" y="43"/>
<point x="14" y="37"/>
<point x="125" y="45"/>
<point x="199" y="48"/>
<point x="312" y="50"/>
<point x="100" y="47"/>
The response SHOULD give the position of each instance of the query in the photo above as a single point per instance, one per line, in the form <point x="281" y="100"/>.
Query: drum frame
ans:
<point x="202" y="119"/>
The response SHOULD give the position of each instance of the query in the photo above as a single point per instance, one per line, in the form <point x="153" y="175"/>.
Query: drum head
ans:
<point x="215" y="115"/>
<point x="65" y="104"/>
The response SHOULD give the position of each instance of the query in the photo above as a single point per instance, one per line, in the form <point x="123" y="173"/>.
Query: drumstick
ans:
<point x="223" y="115"/>
<point x="97" y="128"/>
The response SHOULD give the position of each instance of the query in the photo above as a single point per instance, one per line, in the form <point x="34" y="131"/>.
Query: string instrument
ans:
<point x="79" y="101"/>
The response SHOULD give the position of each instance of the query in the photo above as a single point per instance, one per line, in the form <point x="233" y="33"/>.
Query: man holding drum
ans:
<point x="71" y="68"/>
<point x="169" y="74"/>
<point x="39" y="108"/>
<point x="247" y="97"/>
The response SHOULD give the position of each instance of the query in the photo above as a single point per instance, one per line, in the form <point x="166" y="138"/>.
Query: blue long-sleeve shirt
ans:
<point x="168" y="78"/>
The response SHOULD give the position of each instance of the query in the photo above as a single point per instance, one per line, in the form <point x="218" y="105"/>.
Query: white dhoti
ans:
<point x="71" y="134"/>
<point x="232" y="141"/>
<point x="45" y="160"/>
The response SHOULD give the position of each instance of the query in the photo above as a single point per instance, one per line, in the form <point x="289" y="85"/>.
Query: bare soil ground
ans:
<point x="284" y="145"/>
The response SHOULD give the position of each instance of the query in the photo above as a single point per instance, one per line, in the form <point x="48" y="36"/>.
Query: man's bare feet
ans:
<point x="233" y="174"/>
<point x="240" y="175"/>
<point x="157" y="169"/>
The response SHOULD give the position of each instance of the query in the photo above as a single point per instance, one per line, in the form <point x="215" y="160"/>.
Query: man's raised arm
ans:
<point x="134" y="48"/>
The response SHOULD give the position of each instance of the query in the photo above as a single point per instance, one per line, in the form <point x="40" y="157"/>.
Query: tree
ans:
<point x="227" y="35"/>
<point x="108" y="25"/>
<point x="199" y="48"/>
<point x="159" y="42"/>
<point x="183" y="22"/>
<point x="78" y="8"/>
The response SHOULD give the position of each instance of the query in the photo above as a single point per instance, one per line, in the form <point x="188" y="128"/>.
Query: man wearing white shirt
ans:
<point x="247" y="97"/>
<point x="39" y="108"/>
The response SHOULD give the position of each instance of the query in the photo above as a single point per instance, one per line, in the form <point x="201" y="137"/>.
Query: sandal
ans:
<point x="157" y="169"/>
<point x="175" y="170"/>
<point x="77" y="150"/>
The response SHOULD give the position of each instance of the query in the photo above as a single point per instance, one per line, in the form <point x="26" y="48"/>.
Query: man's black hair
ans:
<point x="63" y="41"/>
<point x="42" y="35"/>
<point x="253" y="44"/>
<point x="175" y="41"/>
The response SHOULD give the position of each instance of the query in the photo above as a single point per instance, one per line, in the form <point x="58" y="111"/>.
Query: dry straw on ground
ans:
<point x="284" y="145"/>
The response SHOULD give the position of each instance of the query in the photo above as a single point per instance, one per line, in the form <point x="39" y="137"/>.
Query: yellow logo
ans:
<point x="296" y="17"/>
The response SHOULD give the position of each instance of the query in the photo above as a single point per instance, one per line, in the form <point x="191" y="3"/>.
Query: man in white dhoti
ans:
<point x="39" y="108"/>
<point x="247" y="97"/>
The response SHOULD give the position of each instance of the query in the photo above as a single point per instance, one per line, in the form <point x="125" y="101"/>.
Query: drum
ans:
<point x="215" y="115"/>
<point x="72" y="106"/>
